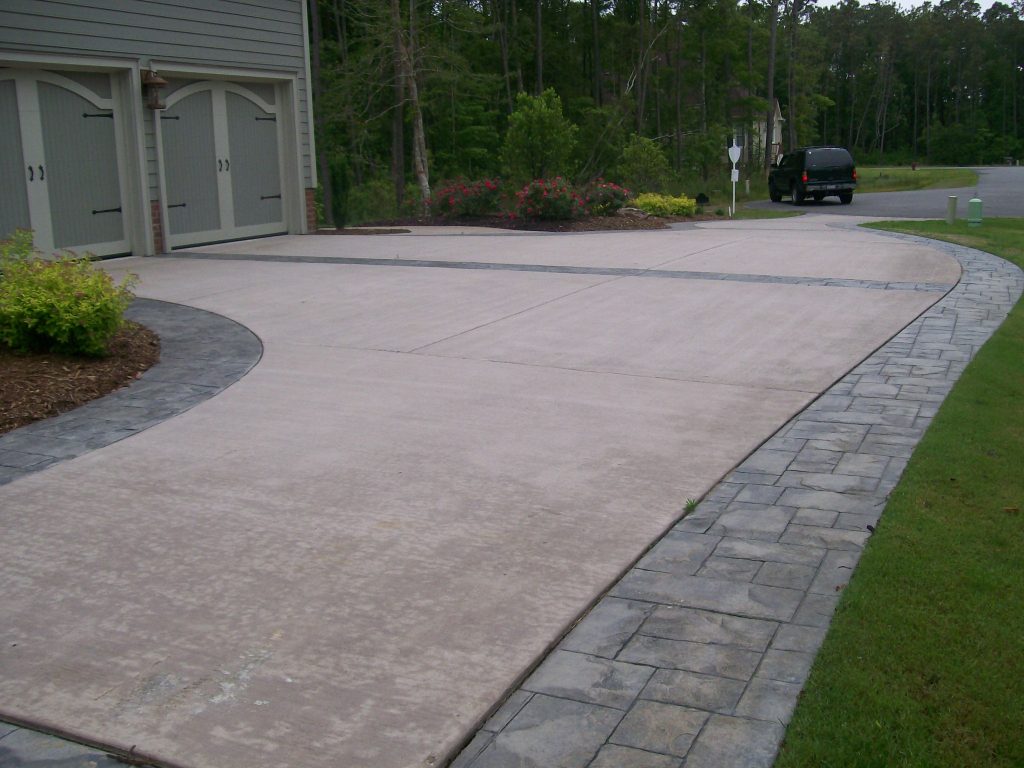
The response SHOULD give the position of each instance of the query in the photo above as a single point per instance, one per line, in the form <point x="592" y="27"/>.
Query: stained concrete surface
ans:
<point x="350" y="555"/>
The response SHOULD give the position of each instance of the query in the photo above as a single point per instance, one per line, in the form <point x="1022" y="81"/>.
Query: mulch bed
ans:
<point x="587" y="224"/>
<point x="36" y="386"/>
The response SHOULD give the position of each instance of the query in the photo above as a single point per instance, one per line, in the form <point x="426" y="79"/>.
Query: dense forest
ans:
<point x="410" y="92"/>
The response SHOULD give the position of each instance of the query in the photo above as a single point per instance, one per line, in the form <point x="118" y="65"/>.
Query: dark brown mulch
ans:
<point x="36" y="386"/>
<point x="588" y="224"/>
<point x="365" y="231"/>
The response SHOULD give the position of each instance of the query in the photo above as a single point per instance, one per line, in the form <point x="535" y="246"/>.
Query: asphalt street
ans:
<point x="1001" y="189"/>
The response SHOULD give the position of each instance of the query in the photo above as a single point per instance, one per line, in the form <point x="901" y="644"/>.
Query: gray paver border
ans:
<point x="201" y="353"/>
<point x="670" y="274"/>
<point x="724" y="615"/>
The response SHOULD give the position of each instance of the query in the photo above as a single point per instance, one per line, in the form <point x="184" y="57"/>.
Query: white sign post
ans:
<point x="734" y="156"/>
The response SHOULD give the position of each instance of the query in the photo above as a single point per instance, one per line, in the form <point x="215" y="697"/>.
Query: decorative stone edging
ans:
<point x="700" y="651"/>
<point x="201" y="353"/>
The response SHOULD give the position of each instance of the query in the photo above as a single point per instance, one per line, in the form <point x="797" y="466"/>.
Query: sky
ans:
<point x="985" y="4"/>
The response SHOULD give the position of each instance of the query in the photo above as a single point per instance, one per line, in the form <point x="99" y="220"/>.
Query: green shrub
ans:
<point x="68" y="305"/>
<point x="663" y="205"/>
<point x="18" y="248"/>
<point x="599" y="141"/>
<point x="644" y="165"/>
<point x="548" y="199"/>
<point x="540" y="140"/>
<point x="466" y="198"/>
<point x="604" y="198"/>
<point x="374" y="200"/>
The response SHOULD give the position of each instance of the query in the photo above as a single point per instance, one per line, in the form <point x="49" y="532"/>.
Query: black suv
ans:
<point x="813" y="172"/>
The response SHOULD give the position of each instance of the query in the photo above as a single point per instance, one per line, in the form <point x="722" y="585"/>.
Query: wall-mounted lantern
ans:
<point x="151" y="85"/>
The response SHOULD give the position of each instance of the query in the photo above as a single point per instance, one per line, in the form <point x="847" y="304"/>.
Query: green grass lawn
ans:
<point x="763" y="213"/>
<point x="903" y="179"/>
<point x="924" y="663"/>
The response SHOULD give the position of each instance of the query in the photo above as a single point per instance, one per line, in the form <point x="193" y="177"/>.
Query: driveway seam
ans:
<point x="731" y="605"/>
<point x="201" y="354"/>
<point x="517" y="313"/>
<point x="614" y="272"/>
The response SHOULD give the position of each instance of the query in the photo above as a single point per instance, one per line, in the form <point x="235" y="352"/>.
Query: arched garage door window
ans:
<point x="221" y="158"/>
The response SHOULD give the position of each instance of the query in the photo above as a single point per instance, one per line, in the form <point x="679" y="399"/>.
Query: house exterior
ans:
<point x="138" y="127"/>
<point x="753" y="144"/>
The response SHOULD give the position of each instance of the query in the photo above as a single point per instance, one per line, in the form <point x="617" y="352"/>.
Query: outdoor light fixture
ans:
<point x="151" y="85"/>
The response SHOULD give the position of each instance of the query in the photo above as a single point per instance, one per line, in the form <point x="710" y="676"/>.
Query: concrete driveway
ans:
<point x="446" y="454"/>
<point x="1001" y="189"/>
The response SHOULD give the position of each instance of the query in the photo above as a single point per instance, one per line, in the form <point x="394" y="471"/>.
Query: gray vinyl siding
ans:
<point x="237" y="34"/>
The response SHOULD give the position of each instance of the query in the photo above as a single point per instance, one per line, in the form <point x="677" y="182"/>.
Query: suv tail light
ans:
<point x="803" y="177"/>
<point x="854" y="174"/>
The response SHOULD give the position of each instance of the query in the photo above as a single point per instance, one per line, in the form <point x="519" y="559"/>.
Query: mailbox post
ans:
<point x="734" y="156"/>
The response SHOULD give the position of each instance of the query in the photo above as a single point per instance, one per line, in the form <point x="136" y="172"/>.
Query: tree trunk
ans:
<point x="539" y="50"/>
<point x="748" y="142"/>
<point x="398" y="115"/>
<point x="501" y="29"/>
<point x="703" y="82"/>
<point x="323" y="167"/>
<point x="419" y="137"/>
<point x="853" y="104"/>
<point x="598" y="92"/>
<point x="794" y="19"/>
<point x="678" y="88"/>
<point x="514" y="46"/>
<point x="886" y="96"/>
<point x="769" y="127"/>
<point x="641" y="68"/>
<point x="339" y="26"/>
<point x="928" y="111"/>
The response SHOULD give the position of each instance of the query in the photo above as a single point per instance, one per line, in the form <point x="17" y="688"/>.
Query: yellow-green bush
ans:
<point x="17" y="247"/>
<point x="67" y="305"/>
<point x="666" y="205"/>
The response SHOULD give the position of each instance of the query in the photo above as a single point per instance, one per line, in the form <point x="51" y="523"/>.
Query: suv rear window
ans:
<point x="828" y="158"/>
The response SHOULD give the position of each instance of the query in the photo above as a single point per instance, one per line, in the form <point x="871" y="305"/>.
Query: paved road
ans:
<point x="1001" y="188"/>
<point x="442" y="458"/>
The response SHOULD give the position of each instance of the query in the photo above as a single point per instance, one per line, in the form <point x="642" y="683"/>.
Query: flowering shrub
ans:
<point x="605" y="197"/>
<point x="548" y="199"/>
<point x="665" y="205"/>
<point x="466" y="198"/>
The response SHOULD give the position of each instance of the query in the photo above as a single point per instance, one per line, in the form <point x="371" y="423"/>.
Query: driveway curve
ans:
<point x="349" y="556"/>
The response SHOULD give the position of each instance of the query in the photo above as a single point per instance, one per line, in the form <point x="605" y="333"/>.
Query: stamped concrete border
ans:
<point x="201" y="353"/>
<point x="699" y="652"/>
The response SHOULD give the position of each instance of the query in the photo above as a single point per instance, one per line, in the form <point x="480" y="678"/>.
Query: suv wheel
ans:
<point x="846" y="198"/>
<point x="797" y="194"/>
<point x="775" y="196"/>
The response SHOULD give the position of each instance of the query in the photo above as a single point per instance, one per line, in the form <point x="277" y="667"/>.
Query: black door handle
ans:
<point x="220" y="164"/>
<point x="41" y="176"/>
<point x="227" y="164"/>
<point x="31" y="173"/>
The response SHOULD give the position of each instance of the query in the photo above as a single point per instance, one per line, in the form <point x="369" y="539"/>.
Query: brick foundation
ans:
<point x="159" y="246"/>
<point x="311" y="210"/>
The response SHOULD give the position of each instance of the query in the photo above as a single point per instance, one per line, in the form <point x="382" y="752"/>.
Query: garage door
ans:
<point x="221" y="158"/>
<point x="59" y="161"/>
